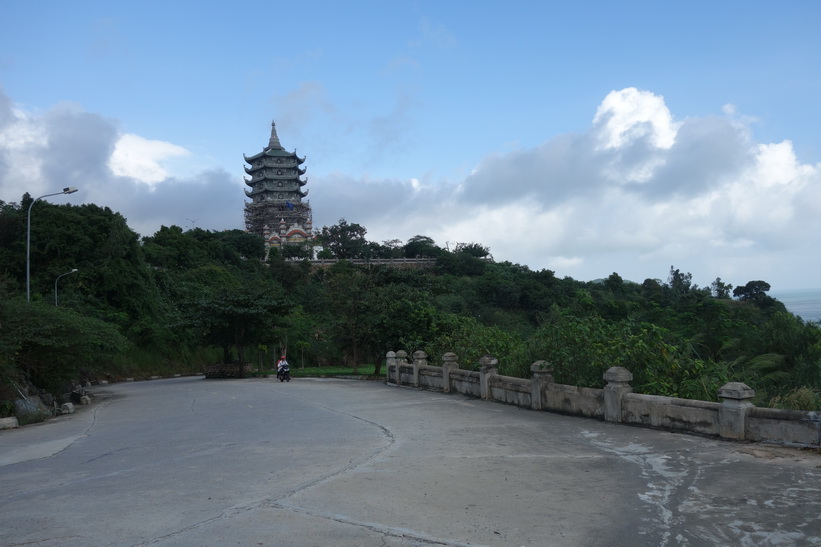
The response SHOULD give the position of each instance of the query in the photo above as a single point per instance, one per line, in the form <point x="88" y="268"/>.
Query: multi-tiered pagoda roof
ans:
<point x="277" y="211"/>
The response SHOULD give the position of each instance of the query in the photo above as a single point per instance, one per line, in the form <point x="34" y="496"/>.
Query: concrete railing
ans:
<point x="734" y="418"/>
<point x="399" y="262"/>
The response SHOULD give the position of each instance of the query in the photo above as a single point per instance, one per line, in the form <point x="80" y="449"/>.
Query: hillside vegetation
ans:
<point x="179" y="300"/>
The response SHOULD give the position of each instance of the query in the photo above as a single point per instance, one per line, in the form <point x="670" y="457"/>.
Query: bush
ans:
<point x="802" y="398"/>
<point x="6" y="409"/>
<point x="26" y="418"/>
<point x="51" y="344"/>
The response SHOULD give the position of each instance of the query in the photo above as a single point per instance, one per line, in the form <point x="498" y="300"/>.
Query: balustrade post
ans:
<point x="541" y="374"/>
<point x="420" y="359"/>
<point x="732" y="414"/>
<point x="449" y="363"/>
<point x="618" y="383"/>
<point x="390" y="363"/>
<point x="488" y="367"/>
<point x="401" y="359"/>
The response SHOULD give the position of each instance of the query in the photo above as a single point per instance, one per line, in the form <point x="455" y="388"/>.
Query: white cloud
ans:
<point x="630" y="114"/>
<point x="635" y="193"/>
<point x="141" y="159"/>
<point x="777" y="165"/>
<point x="21" y="139"/>
<point x="21" y="132"/>
<point x="65" y="146"/>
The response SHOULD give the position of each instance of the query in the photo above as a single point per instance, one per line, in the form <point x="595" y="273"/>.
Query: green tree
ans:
<point x="246" y="245"/>
<point x="348" y="289"/>
<point x="614" y="283"/>
<point x="53" y="345"/>
<point x="721" y="289"/>
<point x="174" y="249"/>
<point x="470" y="340"/>
<point x="473" y="249"/>
<point x="238" y="318"/>
<point x="756" y="292"/>
<point x="499" y="285"/>
<point x="574" y="346"/>
<point x="343" y="240"/>
<point x="113" y="280"/>
<point x="460" y="264"/>
<point x="753" y="290"/>
<point x="680" y="283"/>
<point x="391" y="248"/>
<point x="421" y="246"/>
<point x="401" y="317"/>
<point x="12" y="240"/>
<point x="793" y="355"/>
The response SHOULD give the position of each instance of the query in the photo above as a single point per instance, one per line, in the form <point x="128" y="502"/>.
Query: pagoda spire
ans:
<point x="273" y="142"/>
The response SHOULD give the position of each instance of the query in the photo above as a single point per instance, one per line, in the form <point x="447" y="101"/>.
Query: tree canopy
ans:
<point x="344" y="240"/>
<point x="181" y="299"/>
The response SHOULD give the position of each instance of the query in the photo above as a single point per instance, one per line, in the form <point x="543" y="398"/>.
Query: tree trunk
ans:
<point x="355" y="357"/>
<point x="240" y="339"/>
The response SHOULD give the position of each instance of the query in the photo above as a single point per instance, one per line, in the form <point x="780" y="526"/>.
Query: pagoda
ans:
<point x="277" y="211"/>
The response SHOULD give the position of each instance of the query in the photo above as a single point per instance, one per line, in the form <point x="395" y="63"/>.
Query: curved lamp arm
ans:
<point x="66" y="190"/>
<point x="58" y="279"/>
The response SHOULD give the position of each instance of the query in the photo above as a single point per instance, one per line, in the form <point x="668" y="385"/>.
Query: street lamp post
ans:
<point x="66" y="190"/>
<point x="58" y="279"/>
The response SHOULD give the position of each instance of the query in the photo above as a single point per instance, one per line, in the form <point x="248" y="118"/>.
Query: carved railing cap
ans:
<point x="736" y="390"/>
<point x="390" y="354"/>
<point x="541" y="366"/>
<point x="488" y="360"/>
<point x="419" y="354"/>
<point x="618" y="374"/>
<point x="449" y="356"/>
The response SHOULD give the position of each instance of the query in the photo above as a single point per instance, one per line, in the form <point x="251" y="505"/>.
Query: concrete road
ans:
<point x="190" y="461"/>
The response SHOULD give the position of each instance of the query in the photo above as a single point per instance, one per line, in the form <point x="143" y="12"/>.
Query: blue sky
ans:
<point x="586" y="138"/>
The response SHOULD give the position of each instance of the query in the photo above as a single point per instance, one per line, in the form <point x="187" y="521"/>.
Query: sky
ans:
<point x="586" y="138"/>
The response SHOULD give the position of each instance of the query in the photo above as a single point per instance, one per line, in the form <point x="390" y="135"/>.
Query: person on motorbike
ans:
<point x="281" y="363"/>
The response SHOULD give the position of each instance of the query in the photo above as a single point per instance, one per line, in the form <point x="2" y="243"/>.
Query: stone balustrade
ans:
<point x="734" y="418"/>
<point x="405" y="263"/>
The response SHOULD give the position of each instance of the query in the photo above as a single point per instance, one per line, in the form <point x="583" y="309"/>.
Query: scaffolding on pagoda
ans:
<point x="277" y="211"/>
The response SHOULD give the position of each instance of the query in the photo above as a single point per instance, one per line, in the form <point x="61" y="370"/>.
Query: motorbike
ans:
<point x="284" y="374"/>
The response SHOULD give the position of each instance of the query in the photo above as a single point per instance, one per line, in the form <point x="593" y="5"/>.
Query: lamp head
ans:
<point x="69" y="190"/>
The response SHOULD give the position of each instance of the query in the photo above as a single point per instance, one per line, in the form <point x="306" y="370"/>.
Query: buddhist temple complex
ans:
<point x="277" y="211"/>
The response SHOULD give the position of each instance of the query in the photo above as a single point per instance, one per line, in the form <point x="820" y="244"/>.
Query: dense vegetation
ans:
<point x="178" y="300"/>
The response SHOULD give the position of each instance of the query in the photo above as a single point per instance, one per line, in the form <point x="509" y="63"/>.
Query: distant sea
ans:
<point x="805" y="303"/>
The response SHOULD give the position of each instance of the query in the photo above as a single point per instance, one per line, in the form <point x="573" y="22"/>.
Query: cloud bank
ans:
<point x="639" y="191"/>
<point x="66" y="146"/>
